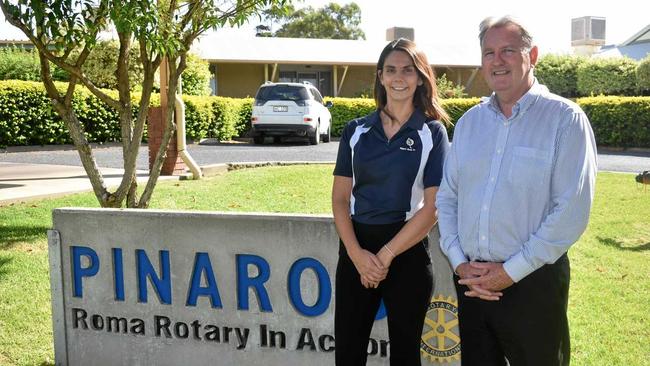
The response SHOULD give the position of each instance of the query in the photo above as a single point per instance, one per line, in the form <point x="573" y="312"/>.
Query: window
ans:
<point x="287" y="77"/>
<point x="281" y="92"/>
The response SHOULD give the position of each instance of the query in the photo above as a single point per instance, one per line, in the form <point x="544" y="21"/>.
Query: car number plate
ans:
<point x="280" y="108"/>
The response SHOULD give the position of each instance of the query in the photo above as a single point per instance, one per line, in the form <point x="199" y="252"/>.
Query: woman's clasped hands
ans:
<point x="372" y="268"/>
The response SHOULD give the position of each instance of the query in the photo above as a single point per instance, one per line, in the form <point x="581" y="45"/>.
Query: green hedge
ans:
<point x="559" y="73"/>
<point x="199" y="119"/>
<point x="27" y="117"/>
<point x="346" y="109"/>
<point x="643" y="76"/>
<point x="607" y="76"/>
<point x="619" y="121"/>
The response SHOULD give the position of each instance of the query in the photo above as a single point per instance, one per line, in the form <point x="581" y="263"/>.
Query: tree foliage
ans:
<point x="65" y="32"/>
<point x="333" y="21"/>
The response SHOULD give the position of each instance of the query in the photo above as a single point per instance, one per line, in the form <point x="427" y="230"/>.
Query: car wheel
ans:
<point x="315" y="139"/>
<point x="327" y="136"/>
<point x="258" y="140"/>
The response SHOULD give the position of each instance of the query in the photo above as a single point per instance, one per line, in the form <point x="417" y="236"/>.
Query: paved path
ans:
<point x="19" y="181"/>
<point x="33" y="172"/>
<point x="205" y="154"/>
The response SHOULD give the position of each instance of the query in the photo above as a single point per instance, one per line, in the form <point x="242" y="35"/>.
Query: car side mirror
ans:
<point x="329" y="104"/>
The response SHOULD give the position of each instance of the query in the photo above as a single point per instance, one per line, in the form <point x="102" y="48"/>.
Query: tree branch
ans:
<point x="77" y="134"/>
<point x="74" y="70"/>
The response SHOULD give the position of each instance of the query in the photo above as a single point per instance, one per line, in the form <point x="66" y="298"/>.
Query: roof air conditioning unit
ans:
<point x="588" y="31"/>
<point x="400" y="32"/>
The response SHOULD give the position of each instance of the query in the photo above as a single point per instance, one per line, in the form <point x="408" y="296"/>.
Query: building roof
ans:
<point x="636" y="47"/>
<point x="218" y="48"/>
<point x="642" y="36"/>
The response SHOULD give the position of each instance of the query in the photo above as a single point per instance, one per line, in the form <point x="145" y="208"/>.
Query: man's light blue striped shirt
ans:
<point x="517" y="190"/>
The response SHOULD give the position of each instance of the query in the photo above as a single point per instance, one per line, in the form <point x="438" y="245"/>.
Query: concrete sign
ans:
<point x="146" y="287"/>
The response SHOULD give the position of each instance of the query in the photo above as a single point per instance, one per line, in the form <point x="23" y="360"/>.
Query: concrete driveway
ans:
<point x="34" y="172"/>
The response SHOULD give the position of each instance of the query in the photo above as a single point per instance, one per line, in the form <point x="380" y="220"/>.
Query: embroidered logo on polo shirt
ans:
<point x="409" y="144"/>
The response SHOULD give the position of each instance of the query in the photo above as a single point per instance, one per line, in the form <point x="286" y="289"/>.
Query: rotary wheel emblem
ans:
<point x="440" y="335"/>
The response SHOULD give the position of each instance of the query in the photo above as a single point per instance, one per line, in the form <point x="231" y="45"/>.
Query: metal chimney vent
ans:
<point x="589" y="31"/>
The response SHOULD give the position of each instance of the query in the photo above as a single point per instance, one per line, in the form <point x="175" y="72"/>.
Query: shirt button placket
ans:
<point x="495" y="167"/>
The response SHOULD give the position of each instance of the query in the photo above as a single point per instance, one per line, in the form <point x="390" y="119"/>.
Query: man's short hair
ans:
<point x="494" y="22"/>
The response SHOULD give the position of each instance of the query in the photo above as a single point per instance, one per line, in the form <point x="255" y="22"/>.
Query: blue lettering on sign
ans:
<point x="162" y="285"/>
<point x="161" y="280"/>
<point x="118" y="274"/>
<point x="324" y="287"/>
<point x="78" y="272"/>
<point x="257" y="282"/>
<point x="202" y="265"/>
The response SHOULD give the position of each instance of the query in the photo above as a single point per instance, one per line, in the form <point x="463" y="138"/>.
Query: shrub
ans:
<point x="559" y="73"/>
<point x="101" y="65"/>
<point x="456" y="108"/>
<point x="244" y="111"/>
<point x="232" y="117"/>
<point x="198" y="117"/>
<point x="19" y="64"/>
<point x="447" y="88"/>
<point x="643" y="76"/>
<point x="27" y="118"/>
<point x="611" y="76"/>
<point x="346" y="109"/>
<point x="196" y="77"/>
<point x="619" y="121"/>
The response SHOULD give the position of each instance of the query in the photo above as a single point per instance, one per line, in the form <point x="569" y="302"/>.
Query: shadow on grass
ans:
<point x="46" y="363"/>
<point x="10" y="235"/>
<point x="619" y="245"/>
<point x="4" y="262"/>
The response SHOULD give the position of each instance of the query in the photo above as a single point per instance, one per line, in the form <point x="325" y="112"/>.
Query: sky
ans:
<point x="456" y="22"/>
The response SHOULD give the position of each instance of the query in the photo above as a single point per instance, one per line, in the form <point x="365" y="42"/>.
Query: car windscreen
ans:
<point x="281" y="92"/>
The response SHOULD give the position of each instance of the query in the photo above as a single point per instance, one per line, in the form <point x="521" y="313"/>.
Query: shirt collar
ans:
<point x="415" y="121"/>
<point x="524" y="102"/>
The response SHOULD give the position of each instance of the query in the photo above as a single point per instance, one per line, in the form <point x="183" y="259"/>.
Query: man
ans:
<point x="516" y="193"/>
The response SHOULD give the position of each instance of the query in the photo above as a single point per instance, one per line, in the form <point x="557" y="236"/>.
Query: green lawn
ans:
<point x="610" y="290"/>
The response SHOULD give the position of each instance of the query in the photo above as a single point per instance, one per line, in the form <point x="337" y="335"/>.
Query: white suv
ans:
<point x="290" y="109"/>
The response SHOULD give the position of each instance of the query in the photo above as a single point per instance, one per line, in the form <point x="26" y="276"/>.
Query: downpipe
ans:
<point x="179" y="118"/>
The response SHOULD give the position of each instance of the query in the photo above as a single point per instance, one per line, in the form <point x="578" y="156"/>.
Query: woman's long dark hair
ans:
<point x="426" y="95"/>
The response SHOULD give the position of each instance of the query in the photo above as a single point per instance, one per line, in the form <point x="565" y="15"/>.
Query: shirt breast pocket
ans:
<point x="529" y="167"/>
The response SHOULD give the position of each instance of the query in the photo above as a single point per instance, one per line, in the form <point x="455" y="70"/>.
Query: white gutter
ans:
<point x="179" y="117"/>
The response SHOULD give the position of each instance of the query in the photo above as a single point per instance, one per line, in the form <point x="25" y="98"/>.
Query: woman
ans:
<point x="387" y="173"/>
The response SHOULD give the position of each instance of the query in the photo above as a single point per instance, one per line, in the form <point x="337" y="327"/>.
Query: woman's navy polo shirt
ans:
<point x="389" y="177"/>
